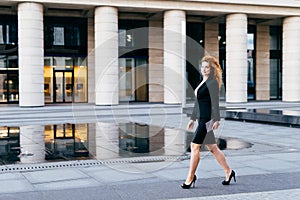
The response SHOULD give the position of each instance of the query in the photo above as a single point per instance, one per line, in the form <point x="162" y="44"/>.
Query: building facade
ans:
<point x="107" y="52"/>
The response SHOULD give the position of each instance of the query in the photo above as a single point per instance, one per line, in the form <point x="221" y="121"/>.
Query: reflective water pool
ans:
<point x="101" y="141"/>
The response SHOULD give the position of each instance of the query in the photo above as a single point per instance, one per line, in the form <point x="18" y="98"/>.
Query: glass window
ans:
<point x="251" y="61"/>
<point x="126" y="38"/>
<point x="65" y="35"/>
<point x="8" y="31"/>
<point x="275" y="62"/>
<point x="275" y="38"/>
<point x="8" y="34"/>
<point x="59" y="36"/>
<point x="133" y="33"/>
<point x="3" y="87"/>
<point x="80" y="80"/>
<point x="1" y="35"/>
<point x="9" y="79"/>
<point x="12" y="62"/>
<point x="122" y="38"/>
<point x="3" y="62"/>
<point x="63" y="62"/>
<point x="250" y="41"/>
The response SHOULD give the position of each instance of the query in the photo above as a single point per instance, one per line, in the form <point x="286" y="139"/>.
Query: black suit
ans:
<point x="206" y="107"/>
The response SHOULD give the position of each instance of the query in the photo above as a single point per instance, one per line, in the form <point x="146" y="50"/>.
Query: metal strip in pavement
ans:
<point x="83" y="163"/>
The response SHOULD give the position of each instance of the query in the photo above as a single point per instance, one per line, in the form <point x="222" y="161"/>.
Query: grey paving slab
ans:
<point x="272" y="165"/>
<point x="242" y="159"/>
<point x="11" y="176"/>
<point x="22" y="196"/>
<point x="112" y="176"/>
<point x="62" y="185"/>
<point x="13" y="186"/>
<point x="291" y="156"/>
<point x="154" y="166"/>
<point x="52" y="175"/>
<point x="171" y="174"/>
<point x="243" y="171"/>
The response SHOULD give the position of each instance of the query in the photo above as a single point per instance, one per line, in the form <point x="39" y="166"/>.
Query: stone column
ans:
<point x="211" y="39"/>
<point x="236" y="58"/>
<point x="262" y="63"/>
<point x="156" y="61"/>
<point x="91" y="61"/>
<point x="31" y="54"/>
<point x="291" y="59"/>
<point x="106" y="56"/>
<point x="174" y="57"/>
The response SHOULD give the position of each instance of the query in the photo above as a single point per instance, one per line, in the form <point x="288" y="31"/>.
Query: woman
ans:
<point x="207" y="108"/>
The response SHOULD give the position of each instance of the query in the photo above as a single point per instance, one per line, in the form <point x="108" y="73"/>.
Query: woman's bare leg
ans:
<point x="194" y="161"/>
<point x="220" y="157"/>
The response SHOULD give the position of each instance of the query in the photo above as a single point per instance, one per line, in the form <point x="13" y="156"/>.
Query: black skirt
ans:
<point x="201" y="135"/>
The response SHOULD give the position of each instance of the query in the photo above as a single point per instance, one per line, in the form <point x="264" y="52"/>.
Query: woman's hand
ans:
<point x="216" y="125"/>
<point x="190" y="125"/>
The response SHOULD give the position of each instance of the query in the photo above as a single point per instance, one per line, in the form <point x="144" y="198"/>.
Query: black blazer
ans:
<point x="207" y="101"/>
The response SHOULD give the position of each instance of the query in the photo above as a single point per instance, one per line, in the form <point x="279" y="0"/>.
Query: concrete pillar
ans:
<point x="211" y="39"/>
<point x="156" y="63"/>
<point x="291" y="59"/>
<point x="106" y="56"/>
<point x="32" y="143"/>
<point x="236" y="58"/>
<point x="174" y="57"/>
<point x="91" y="61"/>
<point x="262" y="63"/>
<point x="31" y="54"/>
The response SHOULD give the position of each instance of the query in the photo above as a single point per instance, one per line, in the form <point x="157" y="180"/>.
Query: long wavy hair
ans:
<point x="215" y="68"/>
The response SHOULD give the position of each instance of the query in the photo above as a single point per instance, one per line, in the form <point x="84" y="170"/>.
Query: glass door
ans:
<point x="9" y="86"/>
<point x="63" y="85"/>
<point x="141" y="80"/>
<point x="13" y="86"/>
<point x="251" y="62"/>
<point x="133" y="79"/>
<point x="127" y="79"/>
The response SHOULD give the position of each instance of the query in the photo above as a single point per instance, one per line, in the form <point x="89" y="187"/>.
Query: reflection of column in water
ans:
<point x="107" y="141"/>
<point x="92" y="139"/>
<point x="174" y="142"/>
<point x="32" y="144"/>
<point x="156" y="140"/>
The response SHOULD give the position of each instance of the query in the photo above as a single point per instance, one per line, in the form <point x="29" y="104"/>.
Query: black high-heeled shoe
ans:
<point x="232" y="175"/>
<point x="187" y="186"/>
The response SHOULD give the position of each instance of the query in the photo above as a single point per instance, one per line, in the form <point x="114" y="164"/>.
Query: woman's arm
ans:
<point x="214" y="96"/>
<point x="195" y="113"/>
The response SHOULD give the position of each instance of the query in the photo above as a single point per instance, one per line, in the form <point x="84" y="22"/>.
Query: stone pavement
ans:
<point x="269" y="169"/>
